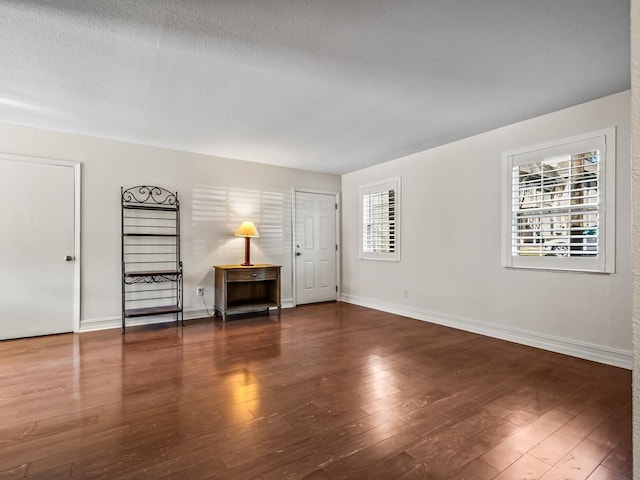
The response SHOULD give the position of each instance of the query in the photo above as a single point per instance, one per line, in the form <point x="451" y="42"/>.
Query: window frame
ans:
<point x="605" y="142"/>
<point x="379" y="187"/>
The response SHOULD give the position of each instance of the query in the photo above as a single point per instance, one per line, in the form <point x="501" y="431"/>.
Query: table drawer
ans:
<point x="254" y="274"/>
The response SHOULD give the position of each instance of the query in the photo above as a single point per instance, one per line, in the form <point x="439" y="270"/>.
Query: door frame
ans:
<point x="76" y="219"/>
<point x="336" y="196"/>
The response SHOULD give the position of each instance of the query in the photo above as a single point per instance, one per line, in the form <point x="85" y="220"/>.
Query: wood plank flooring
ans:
<point x="332" y="391"/>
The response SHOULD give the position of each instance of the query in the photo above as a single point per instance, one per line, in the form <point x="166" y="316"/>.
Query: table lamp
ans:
<point x="247" y="230"/>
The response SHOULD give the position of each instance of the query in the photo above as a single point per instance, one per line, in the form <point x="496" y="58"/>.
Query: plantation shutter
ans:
<point x="379" y="209"/>
<point x="561" y="203"/>
<point x="556" y="206"/>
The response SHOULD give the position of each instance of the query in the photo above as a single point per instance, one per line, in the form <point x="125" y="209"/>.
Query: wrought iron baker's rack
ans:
<point x="151" y="267"/>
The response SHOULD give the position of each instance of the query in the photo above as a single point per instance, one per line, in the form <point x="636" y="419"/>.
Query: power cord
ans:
<point x="206" y="307"/>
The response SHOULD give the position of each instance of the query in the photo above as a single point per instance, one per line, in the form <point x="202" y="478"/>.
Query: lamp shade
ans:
<point x="247" y="230"/>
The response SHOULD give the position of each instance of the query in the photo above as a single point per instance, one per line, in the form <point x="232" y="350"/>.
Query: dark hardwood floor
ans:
<point x="332" y="391"/>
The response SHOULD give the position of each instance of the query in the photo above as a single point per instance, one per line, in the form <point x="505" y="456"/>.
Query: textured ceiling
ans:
<point x="323" y="85"/>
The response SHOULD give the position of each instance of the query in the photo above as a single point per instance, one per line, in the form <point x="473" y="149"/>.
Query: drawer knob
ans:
<point x="254" y="274"/>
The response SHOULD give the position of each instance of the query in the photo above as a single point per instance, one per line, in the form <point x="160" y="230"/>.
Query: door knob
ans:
<point x="298" y="254"/>
<point x="69" y="258"/>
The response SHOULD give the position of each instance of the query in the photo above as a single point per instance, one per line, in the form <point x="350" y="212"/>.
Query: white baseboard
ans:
<point x="92" y="324"/>
<point x="567" y="346"/>
<point x="105" y="323"/>
<point x="287" y="303"/>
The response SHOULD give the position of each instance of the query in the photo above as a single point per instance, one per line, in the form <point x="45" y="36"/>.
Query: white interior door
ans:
<point x="38" y="233"/>
<point x="315" y="247"/>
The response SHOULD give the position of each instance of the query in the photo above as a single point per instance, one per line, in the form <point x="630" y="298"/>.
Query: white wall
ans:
<point x="635" y="148"/>
<point x="215" y="194"/>
<point x="451" y="241"/>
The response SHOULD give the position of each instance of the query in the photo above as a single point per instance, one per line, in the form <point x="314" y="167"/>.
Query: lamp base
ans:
<point x="247" y="253"/>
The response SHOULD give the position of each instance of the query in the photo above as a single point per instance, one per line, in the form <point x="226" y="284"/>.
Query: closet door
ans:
<point x="37" y="248"/>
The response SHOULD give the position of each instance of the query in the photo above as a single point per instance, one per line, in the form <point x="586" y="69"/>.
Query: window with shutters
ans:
<point x="560" y="208"/>
<point x="380" y="215"/>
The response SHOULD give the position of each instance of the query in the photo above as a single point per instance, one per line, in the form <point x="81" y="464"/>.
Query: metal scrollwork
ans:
<point x="150" y="278"/>
<point x="149" y="194"/>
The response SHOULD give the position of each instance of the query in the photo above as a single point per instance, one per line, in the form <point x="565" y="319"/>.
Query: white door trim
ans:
<point x="76" y="220"/>
<point x="336" y="195"/>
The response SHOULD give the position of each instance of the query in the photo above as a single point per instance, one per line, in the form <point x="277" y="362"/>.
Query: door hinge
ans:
<point x="336" y="288"/>
<point x="336" y="206"/>
<point x="336" y="247"/>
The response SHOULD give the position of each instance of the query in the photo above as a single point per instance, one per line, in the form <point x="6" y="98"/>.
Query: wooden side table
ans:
<point x="244" y="289"/>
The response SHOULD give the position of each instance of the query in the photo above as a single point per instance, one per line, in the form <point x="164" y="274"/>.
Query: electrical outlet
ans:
<point x="200" y="291"/>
